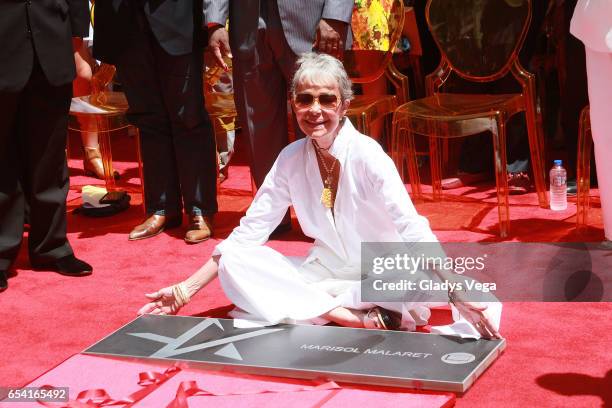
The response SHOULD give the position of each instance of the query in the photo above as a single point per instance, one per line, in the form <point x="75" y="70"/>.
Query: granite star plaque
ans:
<point x="377" y="357"/>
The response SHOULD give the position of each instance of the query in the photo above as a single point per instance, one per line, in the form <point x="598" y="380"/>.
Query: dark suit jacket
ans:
<point x="53" y="23"/>
<point x="299" y="19"/>
<point x="176" y="24"/>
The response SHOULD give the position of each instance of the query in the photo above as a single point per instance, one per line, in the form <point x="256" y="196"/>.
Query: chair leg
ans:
<point x="501" y="176"/>
<point x="105" y="150"/>
<point x="366" y="125"/>
<point x="536" y="145"/>
<point x="403" y="144"/>
<point x="68" y="145"/>
<point x="141" y="172"/>
<point x="394" y="145"/>
<point x="363" y="125"/>
<point x="583" y="171"/>
<point x="415" y="64"/>
<point x="413" y="169"/>
<point x="435" y="162"/>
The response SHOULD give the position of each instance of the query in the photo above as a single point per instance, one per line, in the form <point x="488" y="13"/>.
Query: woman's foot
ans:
<point x="375" y="318"/>
<point x="92" y="162"/>
<point x="382" y="319"/>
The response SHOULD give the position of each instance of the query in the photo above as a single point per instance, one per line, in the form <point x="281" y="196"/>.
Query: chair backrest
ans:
<point x="479" y="39"/>
<point x="102" y="77"/>
<point x="377" y="26"/>
<point x="218" y="88"/>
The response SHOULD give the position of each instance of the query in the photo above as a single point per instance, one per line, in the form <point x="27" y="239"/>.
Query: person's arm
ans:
<point x="170" y="299"/>
<point x="216" y="12"/>
<point x="414" y="228"/>
<point x="78" y="13"/>
<point x="333" y="27"/>
<point x="386" y="183"/>
<point x="264" y="214"/>
<point x="83" y="61"/>
<point x="215" y="17"/>
<point x="268" y="207"/>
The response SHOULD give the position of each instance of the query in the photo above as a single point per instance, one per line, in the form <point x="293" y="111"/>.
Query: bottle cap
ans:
<point x="558" y="162"/>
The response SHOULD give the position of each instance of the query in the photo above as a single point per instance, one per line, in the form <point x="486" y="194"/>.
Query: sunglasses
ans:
<point x="325" y="101"/>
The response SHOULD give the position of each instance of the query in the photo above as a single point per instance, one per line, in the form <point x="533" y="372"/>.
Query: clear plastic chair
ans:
<point x="377" y="26"/>
<point x="479" y="41"/>
<point x="104" y="112"/>
<point x="411" y="60"/>
<point x="583" y="170"/>
<point x="219" y="102"/>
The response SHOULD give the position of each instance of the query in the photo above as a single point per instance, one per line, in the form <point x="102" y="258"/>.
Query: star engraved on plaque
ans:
<point x="173" y="345"/>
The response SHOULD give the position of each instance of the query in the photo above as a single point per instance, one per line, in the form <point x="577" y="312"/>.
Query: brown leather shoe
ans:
<point x="92" y="162"/>
<point x="152" y="226"/>
<point x="200" y="229"/>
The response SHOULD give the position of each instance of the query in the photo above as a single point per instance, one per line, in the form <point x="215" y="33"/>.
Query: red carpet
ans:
<point x="227" y="390"/>
<point x="558" y="354"/>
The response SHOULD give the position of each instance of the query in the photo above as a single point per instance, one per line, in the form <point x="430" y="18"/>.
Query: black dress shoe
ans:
<point x="3" y="281"/>
<point x="68" y="266"/>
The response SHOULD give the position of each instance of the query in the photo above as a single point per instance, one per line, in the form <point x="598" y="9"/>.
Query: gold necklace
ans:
<point x="327" y="197"/>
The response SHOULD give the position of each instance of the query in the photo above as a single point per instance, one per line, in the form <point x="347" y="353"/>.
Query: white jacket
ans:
<point x="592" y="24"/>
<point x="371" y="204"/>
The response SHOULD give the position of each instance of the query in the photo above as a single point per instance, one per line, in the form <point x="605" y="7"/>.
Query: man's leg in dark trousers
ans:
<point x="35" y="140"/>
<point x="138" y="73"/>
<point x="261" y="81"/>
<point x="192" y="133"/>
<point x="11" y="195"/>
<point x="260" y="93"/>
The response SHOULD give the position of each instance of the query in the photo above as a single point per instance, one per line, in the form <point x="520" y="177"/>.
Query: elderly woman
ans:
<point x="345" y="190"/>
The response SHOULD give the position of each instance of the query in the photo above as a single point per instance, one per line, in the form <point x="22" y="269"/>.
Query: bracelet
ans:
<point x="180" y="294"/>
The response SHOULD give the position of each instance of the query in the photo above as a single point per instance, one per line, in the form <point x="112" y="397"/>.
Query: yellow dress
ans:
<point x="371" y="24"/>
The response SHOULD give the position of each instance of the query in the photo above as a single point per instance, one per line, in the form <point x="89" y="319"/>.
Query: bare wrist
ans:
<point x="191" y="287"/>
<point x="212" y="27"/>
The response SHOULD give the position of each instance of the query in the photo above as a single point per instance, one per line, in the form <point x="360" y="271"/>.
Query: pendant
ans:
<point x="326" y="198"/>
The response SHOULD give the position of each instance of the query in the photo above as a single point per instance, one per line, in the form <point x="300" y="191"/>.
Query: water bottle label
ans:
<point x="558" y="181"/>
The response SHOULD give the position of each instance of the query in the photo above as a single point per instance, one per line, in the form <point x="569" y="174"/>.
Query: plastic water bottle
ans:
<point x="558" y="187"/>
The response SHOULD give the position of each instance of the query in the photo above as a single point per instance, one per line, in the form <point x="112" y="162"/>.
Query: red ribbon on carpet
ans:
<point x="97" y="398"/>
<point x="150" y="381"/>
<point x="188" y="389"/>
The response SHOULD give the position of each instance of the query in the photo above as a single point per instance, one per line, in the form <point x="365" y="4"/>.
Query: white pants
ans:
<point x="599" y="72"/>
<point x="270" y="288"/>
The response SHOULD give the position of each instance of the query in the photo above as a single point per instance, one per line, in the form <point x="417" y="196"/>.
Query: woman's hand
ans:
<point x="477" y="314"/>
<point x="168" y="301"/>
<point x="163" y="302"/>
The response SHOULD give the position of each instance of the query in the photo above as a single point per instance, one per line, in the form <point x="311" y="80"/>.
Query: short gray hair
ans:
<point x="317" y="68"/>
